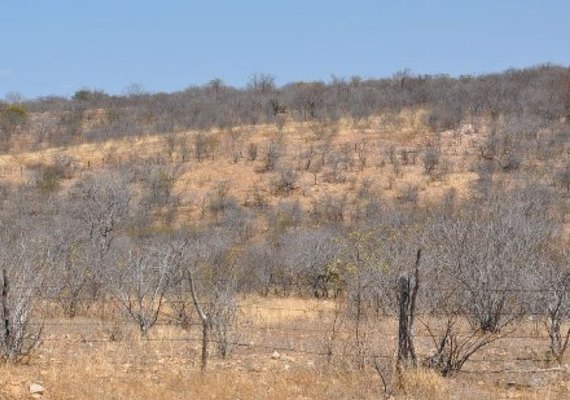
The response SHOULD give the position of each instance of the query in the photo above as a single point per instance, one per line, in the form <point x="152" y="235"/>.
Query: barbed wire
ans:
<point x="294" y="285"/>
<point x="330" y="353"/>
<point x="324" y="333"/>
<point x="107" y="309"/>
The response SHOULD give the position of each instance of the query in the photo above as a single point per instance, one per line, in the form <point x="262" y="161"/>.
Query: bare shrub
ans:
<point x="485" y="278"/>
<point x="323" y="129"/>
<point x="208" y="269"/>
<point x="47" y="176"/>
<point x="269" y="274"/>
<point x="554" y="284"/>
<point x="222" y="316"/>
<point x="284" y="182"/>
<point x="310" y="255"/>
<point x="409" y="194"/>
<point x="18" y="336"/>
<point x="330" y="209"/>
<point x="204" y="146"/>
<point x="252" y="152"/>
<point x="270" y="158"/>
<point x="22" y="268"/>
<point x="431" y="160"/>
<point x="142" y="280"/>
<point x="158" y="197"/>
<point x="453" y="347"/>
<point x="220" y="200"/>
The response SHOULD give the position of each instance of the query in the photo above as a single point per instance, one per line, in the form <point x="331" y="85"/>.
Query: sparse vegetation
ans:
<point x="272" y="222"/>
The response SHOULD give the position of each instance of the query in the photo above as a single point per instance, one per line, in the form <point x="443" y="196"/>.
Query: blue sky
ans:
<point x="59" y="46"/>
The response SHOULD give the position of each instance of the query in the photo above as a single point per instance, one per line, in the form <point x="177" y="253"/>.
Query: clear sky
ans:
<point x="59" y="46"/>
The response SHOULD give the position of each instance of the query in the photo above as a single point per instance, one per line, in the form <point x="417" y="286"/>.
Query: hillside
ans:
<point x="283" y="217"/>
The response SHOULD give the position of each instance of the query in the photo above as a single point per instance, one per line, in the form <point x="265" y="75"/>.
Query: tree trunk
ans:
<point x="407" y="294"/>
<point x="5" y="313"/>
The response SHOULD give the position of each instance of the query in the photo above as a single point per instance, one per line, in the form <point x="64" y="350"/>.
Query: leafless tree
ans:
<point x="480" y="262"/>
<point x="554" y="286"/>
<point x="207" y="270"/>
<point x="310" y="255"/>
<point x="262" y="83"/>
<point x="71" y="268"/>
<point x="101" y="205"/>
<point x="261" y="269"/>
<point x="22" y="269"/>
<point x="488" y="254"/>
<point x="141" y="281"/>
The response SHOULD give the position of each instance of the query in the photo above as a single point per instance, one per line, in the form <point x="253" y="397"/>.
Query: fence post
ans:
<point x="204" y="319"/>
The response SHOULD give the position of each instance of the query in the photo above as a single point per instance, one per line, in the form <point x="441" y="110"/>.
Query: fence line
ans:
<point x="171" y="321"/>
<point x="362" y="356"/>
<point x="261" y="344"/>
<point x="175" y="323"/>
<point x="305" y="285"/>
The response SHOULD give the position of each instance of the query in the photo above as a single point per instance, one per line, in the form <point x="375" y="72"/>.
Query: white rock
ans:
<point x="37" y="389"/>
<point x="275" y="355"/>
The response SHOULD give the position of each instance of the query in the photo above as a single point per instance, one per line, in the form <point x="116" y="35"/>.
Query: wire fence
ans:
<point x="305" y="330"/>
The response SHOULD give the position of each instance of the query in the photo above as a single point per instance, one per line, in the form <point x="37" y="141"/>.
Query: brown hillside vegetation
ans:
<point x="252" y="243"/>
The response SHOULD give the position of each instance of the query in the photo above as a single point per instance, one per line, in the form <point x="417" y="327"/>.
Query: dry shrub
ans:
<point x="422" y="384"/>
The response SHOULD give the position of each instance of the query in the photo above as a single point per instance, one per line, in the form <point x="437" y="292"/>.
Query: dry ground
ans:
<point x="229" y="161"/>
<point x="282" y="355"/>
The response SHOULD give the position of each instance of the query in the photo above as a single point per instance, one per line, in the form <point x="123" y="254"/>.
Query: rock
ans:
<point x="36" y="389"/>
<point x="275" y="355"/>
<point x="288" y="358"/>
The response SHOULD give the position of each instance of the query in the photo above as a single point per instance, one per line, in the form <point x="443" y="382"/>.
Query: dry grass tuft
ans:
<point x="422" y="384"/>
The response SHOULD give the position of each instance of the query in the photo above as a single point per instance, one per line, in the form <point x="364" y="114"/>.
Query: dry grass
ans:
<point x="274" y="312"/>
<point x="77" y="361"/>
<point x="422" y="384"/>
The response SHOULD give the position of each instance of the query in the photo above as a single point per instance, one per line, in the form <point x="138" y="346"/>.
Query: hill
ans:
<point x="277" y="220"/>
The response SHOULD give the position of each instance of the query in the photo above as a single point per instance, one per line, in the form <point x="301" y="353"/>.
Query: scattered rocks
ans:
<point x="283" y="357"/>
